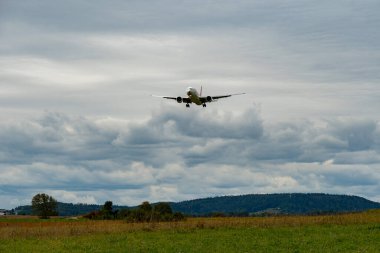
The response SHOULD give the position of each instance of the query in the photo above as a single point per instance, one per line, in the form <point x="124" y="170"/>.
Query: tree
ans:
<point x="107" y="211"/>
<point x="107" y="208"/>
<point x="44" y="205"/>
<point x="163" y="212"/>
<point x="145" y="207"/>
<point x="163" y="208"/>
<point x="144" y="211"/>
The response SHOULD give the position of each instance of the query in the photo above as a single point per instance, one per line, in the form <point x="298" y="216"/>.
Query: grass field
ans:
<point x="358" y="232"/>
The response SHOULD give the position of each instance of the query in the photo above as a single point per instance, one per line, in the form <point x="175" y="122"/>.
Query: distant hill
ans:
<point x="295" y="203"/>
<point x="67" y="209"/>
<point x="252" y="204"/>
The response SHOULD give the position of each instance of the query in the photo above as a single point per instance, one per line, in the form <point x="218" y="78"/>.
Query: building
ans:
<point x="5" y="212"/>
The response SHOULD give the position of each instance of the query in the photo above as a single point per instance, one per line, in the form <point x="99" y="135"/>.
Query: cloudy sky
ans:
<point x="77" y="120"/>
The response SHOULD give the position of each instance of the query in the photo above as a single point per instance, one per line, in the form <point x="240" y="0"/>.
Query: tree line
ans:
<point x="145" y="212"/>
<point x="45" y="206"/>
<point x="245" y="205"/>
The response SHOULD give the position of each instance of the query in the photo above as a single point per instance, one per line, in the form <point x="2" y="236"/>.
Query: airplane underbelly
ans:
<point x="196" y="100"/>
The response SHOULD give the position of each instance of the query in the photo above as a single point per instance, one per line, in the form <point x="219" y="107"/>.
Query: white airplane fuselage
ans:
<point x="193" y="95"/>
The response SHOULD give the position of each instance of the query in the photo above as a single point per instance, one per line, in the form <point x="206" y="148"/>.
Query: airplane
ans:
<point x="194" y="97"/>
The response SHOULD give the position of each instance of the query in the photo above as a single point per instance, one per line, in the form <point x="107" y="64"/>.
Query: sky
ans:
<point x="78" y="122"/>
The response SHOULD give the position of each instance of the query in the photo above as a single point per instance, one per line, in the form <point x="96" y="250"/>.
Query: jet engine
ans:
<point x="179" y="99"/>
<point x="209" y="99"/>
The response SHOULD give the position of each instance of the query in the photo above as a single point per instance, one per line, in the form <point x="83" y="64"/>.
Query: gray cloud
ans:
<point x="60" y="153"/>
<point x="319" y="42"/>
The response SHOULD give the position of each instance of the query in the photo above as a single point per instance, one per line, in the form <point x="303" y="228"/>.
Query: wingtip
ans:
<point x="243" y="93"/>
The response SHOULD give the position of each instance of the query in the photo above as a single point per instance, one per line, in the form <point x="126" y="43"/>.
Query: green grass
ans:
<point x="316" y="238"/>
<point x="357" y="232"/>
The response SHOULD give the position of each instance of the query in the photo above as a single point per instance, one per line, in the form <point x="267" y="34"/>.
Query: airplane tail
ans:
<point x="201" y="92"/>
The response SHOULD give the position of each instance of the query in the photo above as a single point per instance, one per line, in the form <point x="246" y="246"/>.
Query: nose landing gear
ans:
<point x="204" y="105"/>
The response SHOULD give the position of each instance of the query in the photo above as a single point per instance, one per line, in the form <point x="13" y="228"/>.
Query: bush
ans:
<point x="143" y="213"/>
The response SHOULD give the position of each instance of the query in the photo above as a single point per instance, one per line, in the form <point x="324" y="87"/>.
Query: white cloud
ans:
<point x="73" y="197"/>
<point x="82" y="156"/>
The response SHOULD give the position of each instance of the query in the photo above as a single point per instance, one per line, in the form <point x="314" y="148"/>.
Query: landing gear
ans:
<point x="187" y="105"/>
<point x="204" y="105"/>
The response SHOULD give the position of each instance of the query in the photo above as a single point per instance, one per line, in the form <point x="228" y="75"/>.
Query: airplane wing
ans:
<point x="185" y="100"/>
<point x="214" y="98"/>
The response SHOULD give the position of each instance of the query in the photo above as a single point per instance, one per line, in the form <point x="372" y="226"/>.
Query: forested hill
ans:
<point x="253" y="204"/>
<point x="295" y="203"/>
<point x="67" y="209"/>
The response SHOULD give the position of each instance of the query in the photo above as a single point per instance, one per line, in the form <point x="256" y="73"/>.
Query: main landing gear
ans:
<point x="188" y="105"/>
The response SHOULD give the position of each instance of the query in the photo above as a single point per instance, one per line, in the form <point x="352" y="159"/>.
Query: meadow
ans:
<point x="356" y="232"/>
